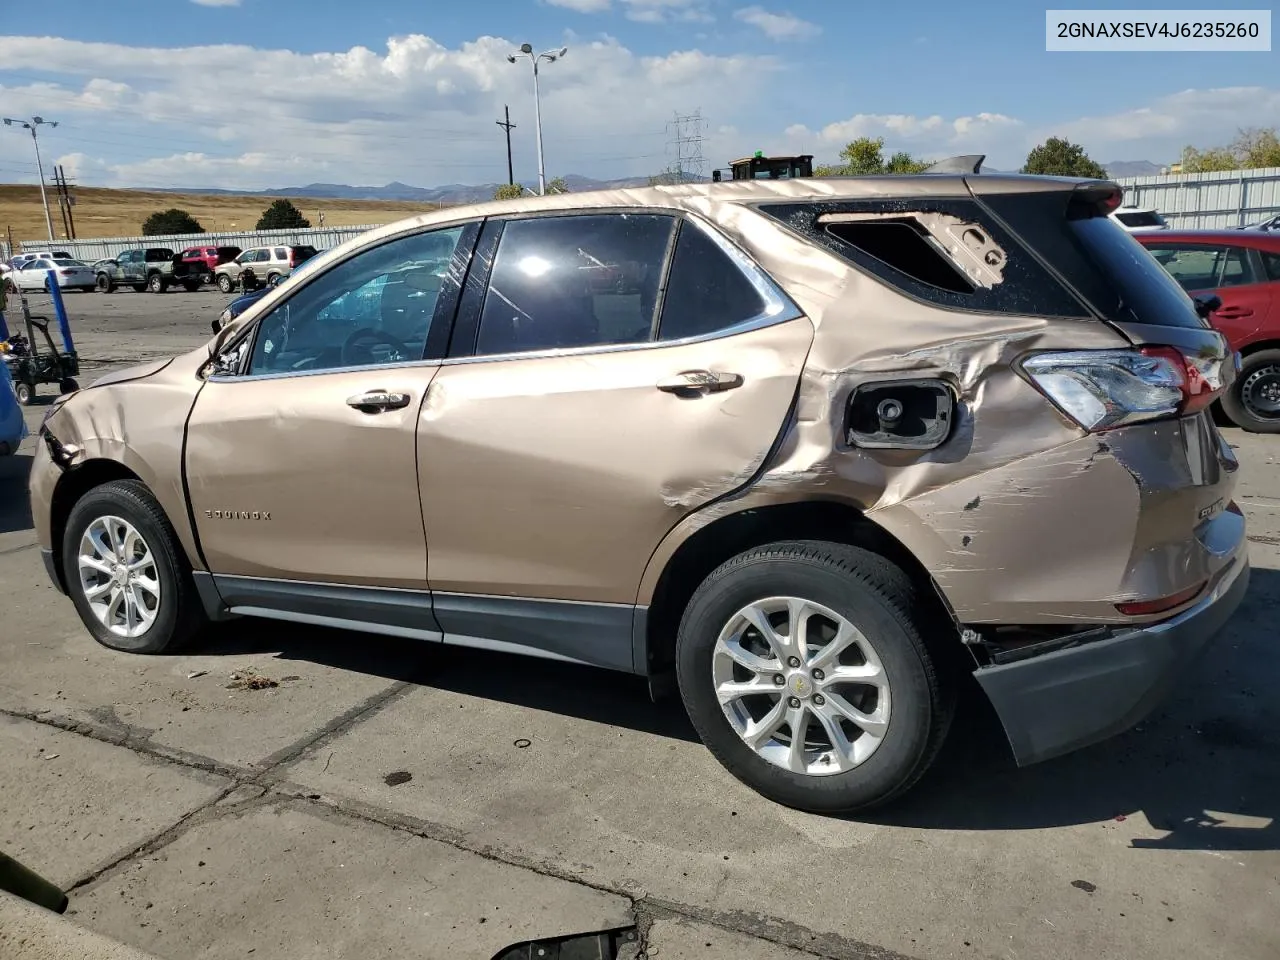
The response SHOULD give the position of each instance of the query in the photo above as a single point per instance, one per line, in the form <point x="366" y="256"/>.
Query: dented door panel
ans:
<point x="556" y="477"/>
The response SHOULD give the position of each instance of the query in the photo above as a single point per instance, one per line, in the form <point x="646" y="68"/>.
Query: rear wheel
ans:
<point x="157" y="284"/>
<point x="274" y="279"/>
<point x="1254" y="401"/>
<point x="225" y="283"/>
<point x="191" y="286"/>
<point x="126" y="574"/>
<point x="803" y="669"/>
<point x="68" y="385"/>
<point x="25" y="392"/>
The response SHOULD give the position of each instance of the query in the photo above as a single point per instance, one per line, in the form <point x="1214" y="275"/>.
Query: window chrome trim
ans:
<point x="779" y="308"/>
<point x="289" y="374"/>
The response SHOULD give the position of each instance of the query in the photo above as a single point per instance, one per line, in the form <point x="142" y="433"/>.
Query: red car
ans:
<point x="1242" y="268"/>
<point x="209" y="258"/>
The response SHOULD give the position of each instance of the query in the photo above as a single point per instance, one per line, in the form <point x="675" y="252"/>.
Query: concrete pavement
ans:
<point x="390" y="798"/>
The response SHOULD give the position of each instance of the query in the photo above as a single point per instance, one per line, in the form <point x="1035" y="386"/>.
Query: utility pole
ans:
<point x="66" y="192"/>
<point x="62" y="199"/>
<point x="508" y="126"/>
<point x="31" y="125"/>
<point x="686" y="138"/>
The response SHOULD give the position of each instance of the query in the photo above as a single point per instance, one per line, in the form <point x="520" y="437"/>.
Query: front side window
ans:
<point x="1271" y="265"/>
<point x="1235" y="268"/>
<point x="574" y="281"/>
<point x="376" y="308"/>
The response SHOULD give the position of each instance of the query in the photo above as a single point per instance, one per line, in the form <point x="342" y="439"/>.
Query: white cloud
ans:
<point x="582" y="6"/>
<point x="216" y="3"/>
<point x="928" y="136"/>
<point x="418" y="111"/>
<point x="778" y="26"/>
<point x="662" y="11"/>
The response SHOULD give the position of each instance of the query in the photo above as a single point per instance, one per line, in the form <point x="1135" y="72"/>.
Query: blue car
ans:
<point x="13" y="428"/>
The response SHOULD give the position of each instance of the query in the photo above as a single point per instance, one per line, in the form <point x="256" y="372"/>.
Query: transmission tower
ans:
<point x="686" y="142"/>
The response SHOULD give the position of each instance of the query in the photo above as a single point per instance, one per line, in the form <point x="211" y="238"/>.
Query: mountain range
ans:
<point x="471" y="193"/>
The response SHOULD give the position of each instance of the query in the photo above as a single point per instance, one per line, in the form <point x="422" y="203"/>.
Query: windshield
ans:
<point x="1141" y="218"/>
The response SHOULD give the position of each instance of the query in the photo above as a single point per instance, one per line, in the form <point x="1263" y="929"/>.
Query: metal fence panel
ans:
<point x="90" y="250"/>
<point x="1208" y="201"/>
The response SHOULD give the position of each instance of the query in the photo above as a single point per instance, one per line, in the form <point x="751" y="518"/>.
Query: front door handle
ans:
<point x="376" y="401"/>
<point x="699" y="382"/>
<point x="1234" y="313"/>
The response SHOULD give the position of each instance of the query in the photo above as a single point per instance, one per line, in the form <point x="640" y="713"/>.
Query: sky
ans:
<point x="251" y="94"/>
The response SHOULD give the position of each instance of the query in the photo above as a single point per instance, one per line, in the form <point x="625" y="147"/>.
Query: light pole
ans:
<point x="31" y="125"/>
<point x="551" y="56"/>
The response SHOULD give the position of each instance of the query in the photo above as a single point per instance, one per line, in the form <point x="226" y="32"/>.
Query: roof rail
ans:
<point x="969" y="163"/>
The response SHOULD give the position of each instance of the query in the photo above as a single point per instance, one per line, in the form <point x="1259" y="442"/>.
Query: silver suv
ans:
<point x="261" y="265"/>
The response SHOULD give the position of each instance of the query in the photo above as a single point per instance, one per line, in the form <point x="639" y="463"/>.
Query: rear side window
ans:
<point x="892" y="240"/>
<point x="706" y="291"/>
<point x="1271" y="265"/>
<point x="578" y="281"/>
<point x="158" y="254"/>
<point x="1193" y="267"/>
<point x="281" y="253"/>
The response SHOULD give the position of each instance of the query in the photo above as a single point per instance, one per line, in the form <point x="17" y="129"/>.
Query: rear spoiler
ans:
<point x="969" y="163"/>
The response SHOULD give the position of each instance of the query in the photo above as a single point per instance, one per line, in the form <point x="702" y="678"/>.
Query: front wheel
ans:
<point x="225" y="283"/>
<point x="25" y="392"/>
<point x="803" y="669"/>
<point x="139" y="288"/>
<point x="1253" y="403"/>
<point x="125" y="572"/>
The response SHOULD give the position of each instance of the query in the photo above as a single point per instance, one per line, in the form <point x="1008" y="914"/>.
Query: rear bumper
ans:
<point x="1061" y="701"/>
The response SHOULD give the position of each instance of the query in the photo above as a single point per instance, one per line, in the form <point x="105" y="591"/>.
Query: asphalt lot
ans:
<point x="194" y="820"/>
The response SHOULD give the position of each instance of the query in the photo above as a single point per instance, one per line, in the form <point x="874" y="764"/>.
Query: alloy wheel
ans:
<point x="802" y="686"/>
<point x="119" y="577"/>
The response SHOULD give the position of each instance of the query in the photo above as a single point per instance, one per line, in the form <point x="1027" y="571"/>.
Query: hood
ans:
<point x="148" y="369"/>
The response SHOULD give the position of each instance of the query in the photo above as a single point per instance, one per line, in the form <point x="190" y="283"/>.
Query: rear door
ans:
<point x="600" y="388"/>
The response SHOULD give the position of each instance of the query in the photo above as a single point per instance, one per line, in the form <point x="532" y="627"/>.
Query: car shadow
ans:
<point x="15" y="506"/>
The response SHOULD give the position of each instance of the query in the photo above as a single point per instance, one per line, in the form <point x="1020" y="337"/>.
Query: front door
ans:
<point x="612" y="388"/>
<point x="301" y="465"/>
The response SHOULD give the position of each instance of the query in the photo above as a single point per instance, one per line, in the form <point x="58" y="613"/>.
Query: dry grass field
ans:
<point x="119" y="213"/>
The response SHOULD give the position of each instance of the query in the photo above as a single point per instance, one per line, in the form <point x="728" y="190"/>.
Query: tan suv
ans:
<point x="814" y="449"/>
<point x="261" y="266"/>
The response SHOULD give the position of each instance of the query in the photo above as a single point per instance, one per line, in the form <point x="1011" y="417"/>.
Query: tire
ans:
<point x="1253" y="403"/>
<point x="68" y="385"/>
<point x="872" y="595"/>
<point x="157" y="284"/>
<point x="139" y="288"/>
<point x="274" y="279"/>
<point x="225" y="283"/>
<point x="191" y="286"/>
<point x="176" y="612"/>
<point x="25" y="392"/>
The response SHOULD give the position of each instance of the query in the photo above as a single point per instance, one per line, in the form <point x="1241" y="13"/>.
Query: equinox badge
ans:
<point x="238" y="514"/>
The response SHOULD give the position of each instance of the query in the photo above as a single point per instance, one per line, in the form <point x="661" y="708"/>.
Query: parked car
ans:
<point x="37" y="274"/>
<point x="267" y="265"/>
<point x="811" y="464"/>
<point x="154" y="268"/>
<point x="242" y="303"/>
<point x="1139" y="219"/>
<point x="1241" y="268"/>
<point x="1271" y="223"/>
<point x="207" y="259"/>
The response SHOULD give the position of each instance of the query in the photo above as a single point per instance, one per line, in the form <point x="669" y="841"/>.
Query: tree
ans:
<point x="1057" y="157"/>
<point x="166" y="223"/>
<point x="282" y="215"/>
<point x="557" y="185"/>
<point x="866" y="156"/>
<point x="1252" y="148"/>
<point x="508" y="191"/>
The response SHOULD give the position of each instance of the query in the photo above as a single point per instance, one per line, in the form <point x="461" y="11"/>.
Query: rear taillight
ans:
<point x="65" y="273"/>
<point x="293" y="258"/>
<point x="1105" y="389"/>
<point x="1145" y="608"/>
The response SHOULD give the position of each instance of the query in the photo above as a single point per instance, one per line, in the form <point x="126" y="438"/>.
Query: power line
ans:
<point x="686" y="139"/>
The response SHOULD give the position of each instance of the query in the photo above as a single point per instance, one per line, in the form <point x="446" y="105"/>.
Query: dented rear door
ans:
<point x="554" y="472"/>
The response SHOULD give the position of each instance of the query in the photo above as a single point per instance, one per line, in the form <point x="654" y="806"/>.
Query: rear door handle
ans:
<point x="698" y="382"/>
<point x="376" y="401"/>
<point x="1232" y="313"/>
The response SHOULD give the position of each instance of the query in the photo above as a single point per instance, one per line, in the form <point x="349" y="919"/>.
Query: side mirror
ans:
<point x="1208" y="305"/>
